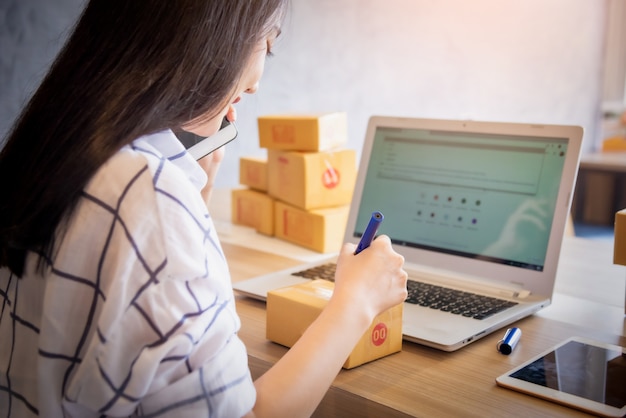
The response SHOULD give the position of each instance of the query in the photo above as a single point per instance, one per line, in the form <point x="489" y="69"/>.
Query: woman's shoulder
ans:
<point x="155" y="163"/>
<point x="121" y="177"/>
<point x="154" y="199"/>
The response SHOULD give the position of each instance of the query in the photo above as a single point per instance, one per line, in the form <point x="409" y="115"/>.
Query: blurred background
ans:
<point x="540" y="61"/>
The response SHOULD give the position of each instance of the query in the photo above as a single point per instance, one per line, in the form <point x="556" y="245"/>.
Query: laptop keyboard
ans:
<point x="455" y="301"/>
<point x="432" y="296"/>
<point x="323" y="271"/>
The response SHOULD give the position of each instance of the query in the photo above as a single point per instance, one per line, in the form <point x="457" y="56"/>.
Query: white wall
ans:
<point x="505" y="60"/>
<point x="528" y="61"/>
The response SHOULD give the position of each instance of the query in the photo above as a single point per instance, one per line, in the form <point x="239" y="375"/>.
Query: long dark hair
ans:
<point x="130" y="68"/>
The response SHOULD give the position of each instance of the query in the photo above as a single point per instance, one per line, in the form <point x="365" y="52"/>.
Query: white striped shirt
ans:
<point x="136" y="315"/>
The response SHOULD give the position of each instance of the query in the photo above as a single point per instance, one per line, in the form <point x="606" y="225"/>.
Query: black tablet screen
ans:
<point x="588" y="371"/>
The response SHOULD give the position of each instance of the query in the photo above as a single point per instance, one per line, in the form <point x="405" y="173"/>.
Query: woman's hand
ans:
<point x="366" y="285"/>
<point x="210" y="164"/>
<point x="372" y="281"/>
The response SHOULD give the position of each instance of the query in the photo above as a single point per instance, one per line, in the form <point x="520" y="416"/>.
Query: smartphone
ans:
<point x="200" y="147"/>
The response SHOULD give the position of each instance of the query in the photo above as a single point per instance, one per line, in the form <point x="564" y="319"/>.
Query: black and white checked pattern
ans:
<point x="136" y="315"/>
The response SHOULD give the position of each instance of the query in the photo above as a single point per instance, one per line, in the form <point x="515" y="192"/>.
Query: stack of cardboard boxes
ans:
<point x="302" y="191"/>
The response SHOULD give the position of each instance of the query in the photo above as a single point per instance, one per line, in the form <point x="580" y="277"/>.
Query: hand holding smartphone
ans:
<point x="200" y="147"/>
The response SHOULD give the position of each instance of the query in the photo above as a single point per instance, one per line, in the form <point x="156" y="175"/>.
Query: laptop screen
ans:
<point x="484" y="196"/>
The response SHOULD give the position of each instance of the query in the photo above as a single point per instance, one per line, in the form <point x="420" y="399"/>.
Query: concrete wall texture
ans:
<point x="535" y="61"/>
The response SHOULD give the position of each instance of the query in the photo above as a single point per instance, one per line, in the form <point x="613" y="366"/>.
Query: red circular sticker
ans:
<point x="379" y="334"/>
<point x="330" y="178"/>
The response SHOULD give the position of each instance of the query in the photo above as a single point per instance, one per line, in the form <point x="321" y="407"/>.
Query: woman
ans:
<point x="115" y="297"/>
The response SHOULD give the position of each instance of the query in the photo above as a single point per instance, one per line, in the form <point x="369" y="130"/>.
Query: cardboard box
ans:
<point x="253" y="208"/>
<point x="619" y="247"/>
<point x="253" y="172"/>
<point x="319" y="229"/>
<point x="311" y="180"/>
<point x="290" y="310"/>
<point x="617" y="144"/>
<point x="317" y="132"/>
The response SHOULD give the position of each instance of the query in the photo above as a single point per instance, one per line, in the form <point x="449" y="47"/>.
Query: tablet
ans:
<point x="578" y="372"/>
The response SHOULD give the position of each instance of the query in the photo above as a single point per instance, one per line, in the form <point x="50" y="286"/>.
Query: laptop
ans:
<point x="478" y="210"/>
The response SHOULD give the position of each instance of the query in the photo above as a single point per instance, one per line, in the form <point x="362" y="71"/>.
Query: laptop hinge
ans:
<point x="505" y="291"/>
<point x="521" y="294"/>
<point x="510" y="293"/>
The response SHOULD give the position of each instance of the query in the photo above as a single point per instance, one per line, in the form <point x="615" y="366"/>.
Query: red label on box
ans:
<point x="330" y="177"/>
<point x="379" y="334"/>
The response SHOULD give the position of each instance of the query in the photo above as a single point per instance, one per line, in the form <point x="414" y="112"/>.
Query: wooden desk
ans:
<point x="420" y="381"/>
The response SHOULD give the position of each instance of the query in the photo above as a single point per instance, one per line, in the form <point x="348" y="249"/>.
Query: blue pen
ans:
<point x="370" y="232"/>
